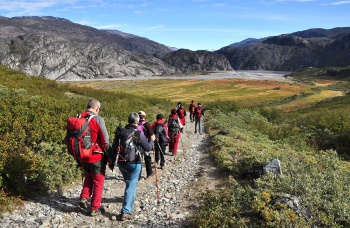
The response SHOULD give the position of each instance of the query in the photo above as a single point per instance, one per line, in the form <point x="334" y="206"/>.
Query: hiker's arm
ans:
<point x="103" y="134"/>
<point x="147" y="146"/>
<point x="180" y="124"/>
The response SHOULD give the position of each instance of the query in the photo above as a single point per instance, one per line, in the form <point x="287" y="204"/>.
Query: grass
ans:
<point x="247" y="92"/>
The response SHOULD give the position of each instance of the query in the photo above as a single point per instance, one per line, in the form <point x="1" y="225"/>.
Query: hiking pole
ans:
<point x="160" y="148"/>
<point x="155" y="174"/>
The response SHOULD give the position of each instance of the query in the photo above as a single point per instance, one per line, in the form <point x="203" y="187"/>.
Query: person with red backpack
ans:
<point x="181" y="112"/>
<point x="175" y="129"/>
<point x="94" y="166"/>
<point x="198" y="114"/>
<point x="162" y="140"/>
<point x="191" y="109"/>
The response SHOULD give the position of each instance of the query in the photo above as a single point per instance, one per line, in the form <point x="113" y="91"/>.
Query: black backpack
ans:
<point x="173" y="126"/>
<point x="160" y="134"/>
<point x="129" y="145"/>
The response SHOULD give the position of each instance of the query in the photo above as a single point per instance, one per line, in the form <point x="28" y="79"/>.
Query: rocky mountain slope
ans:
<point x="187" y="61"/>
<point x="291" y="52"/>
<point x="57" y="49"/>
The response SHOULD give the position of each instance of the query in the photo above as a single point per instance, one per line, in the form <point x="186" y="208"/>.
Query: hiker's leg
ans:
<point x="148" y="164"/>
<point x="157" y="153"/>
<point x="176" y="143"/>
<point x="162" y="159"/>
<point x="200" y="125"/>
<point x="132" y="177"/>
<point x="86" y="192"/>
<point x="171" y="143"/>
<point x="98" y="176"/>
<point x="195" y="124"/>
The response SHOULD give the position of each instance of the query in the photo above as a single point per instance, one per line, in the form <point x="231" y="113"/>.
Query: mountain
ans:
<point x="291" y="52"/>
<point x="59" y="49"/>
<point x="246" y="42"/>
<point x="187" y="61"/>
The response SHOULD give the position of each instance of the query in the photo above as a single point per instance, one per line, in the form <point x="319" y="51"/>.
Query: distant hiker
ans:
<point x="178" y="105"/>
<point x="94" y="166"/>
<point x="174" y="130"/>
<point x="181" y="112"/>
<point x="191" y="109"/>
<point x="198" y="114"/>
<point x="128" y="146"/>
<point x="147" y="130"/>
<point x="162" y="140"/>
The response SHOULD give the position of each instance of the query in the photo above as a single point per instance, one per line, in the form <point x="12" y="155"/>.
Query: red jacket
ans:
<point x="99" y="137"/>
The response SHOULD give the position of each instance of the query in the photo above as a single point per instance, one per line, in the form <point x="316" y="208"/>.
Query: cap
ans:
<point x="142" y="113"/>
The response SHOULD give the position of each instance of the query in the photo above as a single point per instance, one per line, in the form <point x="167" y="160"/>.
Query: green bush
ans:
<point x="33" y="115"/>
<point x="318" y="179"/>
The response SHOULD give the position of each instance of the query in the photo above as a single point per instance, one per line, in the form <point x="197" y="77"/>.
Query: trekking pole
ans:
<point x="160" y="148"/>
<point x="156" y="175"/>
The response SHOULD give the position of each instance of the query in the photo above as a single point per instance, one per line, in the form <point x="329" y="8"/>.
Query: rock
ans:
<point x="273" y="167"/>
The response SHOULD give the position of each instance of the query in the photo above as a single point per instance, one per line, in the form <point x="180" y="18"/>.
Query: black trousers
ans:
<point x="160" y="151"/>
<point x="148" y="164"/>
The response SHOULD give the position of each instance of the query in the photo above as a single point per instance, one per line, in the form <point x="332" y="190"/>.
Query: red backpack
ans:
<point x="198" y="112"/>
<point x="181" y="112"/>
<point x="78" y="140"/>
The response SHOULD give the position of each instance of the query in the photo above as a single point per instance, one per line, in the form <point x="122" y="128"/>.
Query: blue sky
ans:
<point x="191" y="24"/>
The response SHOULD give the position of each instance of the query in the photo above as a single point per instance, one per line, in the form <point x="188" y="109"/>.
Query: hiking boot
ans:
<point x="95" y="212"/>
<point x="162" y="167"/>
<point x="125" y="217"/>
<point x="83" y="204"/>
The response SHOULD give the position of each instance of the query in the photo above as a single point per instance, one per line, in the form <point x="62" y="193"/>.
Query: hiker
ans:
<point x="94" y="167"/>
<point x="198" y="113"/>
<point x="130" y="168"/>
<point x="178" y="105"/>
<point x="181" y="112"/>
<point x="174" y="130"/>
<point x="191" y="109"/>
<point x="162" y="140"/>
<point x="147" y="130"/>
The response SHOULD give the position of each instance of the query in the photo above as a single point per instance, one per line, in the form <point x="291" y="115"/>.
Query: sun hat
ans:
<point x="142" y="113"/>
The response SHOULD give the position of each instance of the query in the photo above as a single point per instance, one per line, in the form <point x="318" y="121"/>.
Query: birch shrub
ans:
<point x="319" y="180"/>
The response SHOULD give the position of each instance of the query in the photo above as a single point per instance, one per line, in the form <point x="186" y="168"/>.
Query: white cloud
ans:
<point x="220" y="4"/>
<point x="339" y="3"/>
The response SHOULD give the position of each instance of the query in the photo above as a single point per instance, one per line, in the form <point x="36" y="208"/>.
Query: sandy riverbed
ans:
<point x="243" y="74"/>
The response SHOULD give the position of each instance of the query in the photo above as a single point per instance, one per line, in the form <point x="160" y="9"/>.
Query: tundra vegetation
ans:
<point x="303" y="123"/>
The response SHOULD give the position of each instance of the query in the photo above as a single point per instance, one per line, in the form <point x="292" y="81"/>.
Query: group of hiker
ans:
<point x="138" y="140"/>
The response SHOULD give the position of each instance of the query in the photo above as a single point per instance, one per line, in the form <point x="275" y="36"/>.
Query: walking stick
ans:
<point x="160" y="148"/>
<point x="155" y="174"/>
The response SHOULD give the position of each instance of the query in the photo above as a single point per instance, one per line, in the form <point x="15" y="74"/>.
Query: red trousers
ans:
<point x="174" y="143"/>
<point x="93" y="183"/>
